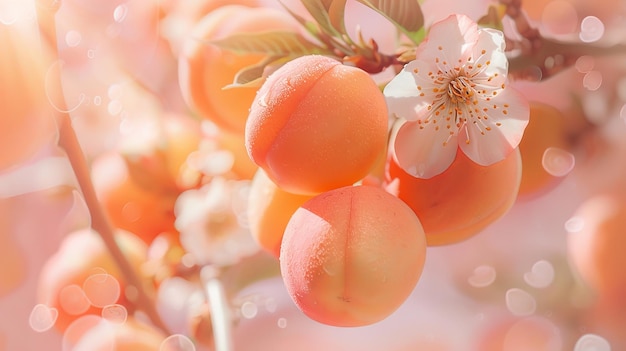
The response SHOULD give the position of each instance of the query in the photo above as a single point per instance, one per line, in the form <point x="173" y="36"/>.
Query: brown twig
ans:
<point x="544" y="54"/>
<point x="69" y="142"/>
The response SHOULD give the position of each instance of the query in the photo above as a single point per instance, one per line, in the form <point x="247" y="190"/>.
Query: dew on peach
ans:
<point x="351" y="256"/>
<point x="316" y="125"/>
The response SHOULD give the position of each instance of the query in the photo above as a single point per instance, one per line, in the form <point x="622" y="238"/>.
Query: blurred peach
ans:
<point x="144" y="209"/>
<point x="460" y="202"/>
<point x="204" y="69"/>
<point x="183" y="15"/>
<point x="97" y="334"/>
<point x="82" y="264"/>
<point x="27" y="122"/>
<point x="596" y="242"/>
<point x="521" y="334"/>
<point x="546" y="129"/>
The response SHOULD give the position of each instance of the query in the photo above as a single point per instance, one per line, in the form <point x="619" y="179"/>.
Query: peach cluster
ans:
<point x="352" y="246"/>
<point x="350" y="254"/>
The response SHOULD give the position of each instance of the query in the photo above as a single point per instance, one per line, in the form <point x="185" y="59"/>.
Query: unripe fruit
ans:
<point x="317" y="125"/>
<point x="461" y="201"/>
<point x="351" y="256"/>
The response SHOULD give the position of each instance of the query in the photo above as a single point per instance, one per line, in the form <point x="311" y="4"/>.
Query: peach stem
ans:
<point x="99" y="221"/>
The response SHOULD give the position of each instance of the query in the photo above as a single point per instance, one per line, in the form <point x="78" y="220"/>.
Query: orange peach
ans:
<point x="142" y="210"/>
<point x="461" y="201"/>
<point x="596" y="246"/>
<point x="82" y="264"/>
<point x="205" y="69"/>
<point x="317" y="125"/>
<point x="269" y="211"/>
<point x="100" y="335"/>
<point x="351" y="256"/>
<point x="545" y="129"/>
<point x="27" y="120"/>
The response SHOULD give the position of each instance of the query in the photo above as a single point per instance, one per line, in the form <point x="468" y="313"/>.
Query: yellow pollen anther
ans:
<point x="483" y="52"/>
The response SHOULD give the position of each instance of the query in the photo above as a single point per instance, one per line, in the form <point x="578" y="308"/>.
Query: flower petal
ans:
<point x="489" y="60"/>
<point x="494" y="138"/>
<point x="410" y="93"/>
<point x="450" y="40"/>
<point x="423" y="151"/>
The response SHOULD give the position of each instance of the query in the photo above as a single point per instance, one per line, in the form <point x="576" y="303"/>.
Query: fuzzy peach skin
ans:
<point x="269" y="211"/>
<point x="351" y="256"/>
<point x="204" y="69"/>
<point x="316" y="125"/>
<point x="460" y="202"/>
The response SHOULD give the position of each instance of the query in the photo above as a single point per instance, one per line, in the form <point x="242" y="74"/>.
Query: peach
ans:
<point x="545" y="129"/>
<point x="317" y="125"/>
<point x="596" y="247"/>
<point x="82" y="263"/>
<point x="460" y="202"/>
<point x="269" y="211"/>
<point x="27" y="120"/>
<point x="351" y="256"/>
<point x="142" y="210"/>
<point x="204" y="69"/>
<point x="99" y="335"/>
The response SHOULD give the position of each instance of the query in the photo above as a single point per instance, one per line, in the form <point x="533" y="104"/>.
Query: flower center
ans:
<point x="460" y="89"/>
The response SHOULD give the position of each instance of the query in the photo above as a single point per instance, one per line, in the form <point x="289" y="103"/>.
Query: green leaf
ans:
<point x="405" y="14"/>
<point x="319" y="11"/>
<point x="254" y="75"/>
<point x="336" y="13"/>
<point x="493" y="18"/>
<point x="270" y="43"/>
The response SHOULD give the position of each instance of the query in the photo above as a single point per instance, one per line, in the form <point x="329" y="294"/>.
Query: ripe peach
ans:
<point x="461" y="201"/>
<point x="269" y="211"/>
<point x="545" y="129"/>
<point x="204" y="69"/>
<point x="317" y="125"/>
<point x="596" y="247"/>
<point x="83" y="257"/>
<point x="351" y="256"/>
<point x="27" y="120"/>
